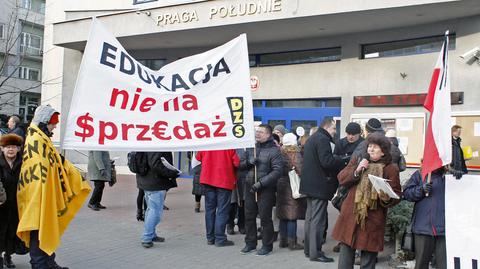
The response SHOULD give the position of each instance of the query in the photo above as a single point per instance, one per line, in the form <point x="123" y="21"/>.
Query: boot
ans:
<point x="283" y="242"/>
<point x="197" y="207"/>
<point x="140" y="216"/>
<point x="7" y="260"/>
<point x="1" y="262"/>
<point x="293" y="245"/>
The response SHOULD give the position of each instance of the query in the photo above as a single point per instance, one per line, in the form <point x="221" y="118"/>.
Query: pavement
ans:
<point x="110" y="238"/>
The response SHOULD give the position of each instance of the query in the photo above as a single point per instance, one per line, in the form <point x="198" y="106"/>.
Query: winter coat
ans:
<point x="397" y="156"/>
<point x="218" y="168"/>
<point x="429" y="211"/>
<point x="458" y="161"/>
<point x="238" y="194"/>
<point x="97" y="161"/>
<point x="158" y="177"/>
<point x="346" y="229"/>
<point x="287" y="207"/>
<point x="19" y="130"/>
<point x="8" y="210"/>
<point x="197" y="188"/>
<point x="345" y="149"/>
<point x="320" y="167"/>
<point x="269" y="165"/>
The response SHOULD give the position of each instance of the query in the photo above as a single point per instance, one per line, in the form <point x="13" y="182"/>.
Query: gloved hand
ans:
<point x="427" y="187"/>
<point x="103" y="173"/>
<point x="457" y="174"/>
<point x="256" y="187"/>
<point x="253" y="161"/>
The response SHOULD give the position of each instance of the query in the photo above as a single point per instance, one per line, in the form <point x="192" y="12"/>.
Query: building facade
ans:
<point x="346" y="59"/>
<point x="21" y="55"/>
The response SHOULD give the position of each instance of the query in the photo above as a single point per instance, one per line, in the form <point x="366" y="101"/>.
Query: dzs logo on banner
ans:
<point x="202" y="102"/>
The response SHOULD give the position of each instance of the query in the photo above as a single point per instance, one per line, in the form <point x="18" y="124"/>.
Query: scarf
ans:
<point x="366" y="197"/>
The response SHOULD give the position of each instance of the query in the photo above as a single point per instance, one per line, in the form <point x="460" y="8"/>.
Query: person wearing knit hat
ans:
<point x="373" y="125"/>
<point x="30" y="203"/>
<point x="290" y="139"/>
<point x="10" y="165"/>
<point x="46" y="118"/>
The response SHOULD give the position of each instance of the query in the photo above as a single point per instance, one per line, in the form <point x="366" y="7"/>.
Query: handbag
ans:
<point x="408" y="239"/>
<point x="113" y="178"/>
<point x="295" y="184"/>
<point x="339" y="197"/>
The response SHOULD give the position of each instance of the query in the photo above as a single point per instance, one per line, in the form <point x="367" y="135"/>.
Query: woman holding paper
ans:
<point x="361" y="223"/>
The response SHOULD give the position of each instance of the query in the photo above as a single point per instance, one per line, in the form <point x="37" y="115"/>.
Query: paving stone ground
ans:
<point x="111" y="238"/>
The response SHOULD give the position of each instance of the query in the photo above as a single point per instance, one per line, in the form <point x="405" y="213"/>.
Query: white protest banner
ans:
<point x="462" y="222"/>
<point x="202" y="102"/>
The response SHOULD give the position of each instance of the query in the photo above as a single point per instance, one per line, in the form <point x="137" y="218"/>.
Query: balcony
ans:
<point x="31" y="52"/>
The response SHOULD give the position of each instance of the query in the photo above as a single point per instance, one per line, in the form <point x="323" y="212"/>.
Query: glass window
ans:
<point x="154" y="64"/>
<point x="26" y="4"/>
<point x="28" y="73"/>
<point x="257" y="103"/>
<point x="299" y="57"/>
<point x="306" y="124"/>
<point x="406" y="47"/>
<point x="253" y="60"/>
<point x="142" y="1"/>
<point x="293" y="103"/>
<point x="333" y="103"/>
<point x="274" y="123"/>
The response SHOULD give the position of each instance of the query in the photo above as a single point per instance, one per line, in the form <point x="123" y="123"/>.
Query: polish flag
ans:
<point x="438" y="140"/>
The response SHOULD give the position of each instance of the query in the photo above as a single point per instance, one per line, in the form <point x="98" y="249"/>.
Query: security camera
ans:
<point x="475" y="52"/>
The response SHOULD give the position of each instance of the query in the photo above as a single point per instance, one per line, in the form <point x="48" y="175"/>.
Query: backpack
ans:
<point x="138" y="162"/>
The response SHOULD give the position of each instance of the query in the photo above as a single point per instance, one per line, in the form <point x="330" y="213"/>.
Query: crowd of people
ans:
<point x="240" y="186"/>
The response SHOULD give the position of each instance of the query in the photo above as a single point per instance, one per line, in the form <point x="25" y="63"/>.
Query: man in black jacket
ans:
<point x="319" y="183"/>
<point x="158" y="180"/>
<point x="264" y="169"/>
<point x="458" y="166"/>
<point x="346" y="146"/>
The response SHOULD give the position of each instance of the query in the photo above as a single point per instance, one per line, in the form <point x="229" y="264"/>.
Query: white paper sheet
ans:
<point x="169" y="165"/>
<point x="381" y="184"/>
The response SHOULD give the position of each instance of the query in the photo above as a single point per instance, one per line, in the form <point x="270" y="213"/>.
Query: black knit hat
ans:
<point x="374" y="125"/>
<point x="353" y="128"/>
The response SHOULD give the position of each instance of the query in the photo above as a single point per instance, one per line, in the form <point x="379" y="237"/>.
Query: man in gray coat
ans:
<point x="99" y="171"/>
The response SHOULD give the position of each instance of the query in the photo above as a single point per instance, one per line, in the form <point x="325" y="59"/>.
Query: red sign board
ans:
<point x="400" y="100"/>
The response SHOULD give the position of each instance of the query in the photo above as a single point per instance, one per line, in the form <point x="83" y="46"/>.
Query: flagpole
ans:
<point x="255" y="171"/>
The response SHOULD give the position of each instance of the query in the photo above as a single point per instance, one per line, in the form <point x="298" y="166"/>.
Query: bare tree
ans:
<point x="18" y="19"/>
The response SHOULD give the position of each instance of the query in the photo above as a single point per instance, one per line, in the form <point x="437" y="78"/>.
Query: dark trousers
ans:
<point x="97" y="193"/>
<point x="198" y="198"/>
<point x="425" y="246"/>
<point x="217" y="207"/>
<point x="38" y="258"/>
<point x="347" y="258"/>
<point x="316" y="221"/>
<point x="239" y="212"/>
<point x="262" y="207"/>
<point x="288" y="229"/>
<point x="141" y="203"/>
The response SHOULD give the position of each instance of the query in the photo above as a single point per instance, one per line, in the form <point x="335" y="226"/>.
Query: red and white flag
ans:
<point x="438" y="140"/>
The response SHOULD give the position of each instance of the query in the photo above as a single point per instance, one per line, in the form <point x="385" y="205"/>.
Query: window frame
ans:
<point x="138" y="2"/>
<point x="23" y="2"/>
<point x="258" y="57"/>
<point x="24" y="72"/>
<point x="2" y="31"/>
<point x="26" y="43"/>
<point x="452" y="46"/>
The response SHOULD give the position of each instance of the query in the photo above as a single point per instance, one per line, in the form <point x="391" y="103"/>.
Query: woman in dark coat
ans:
<point x="99" y="171"/>
<point x="361" y="224"/>
<point x="289" y="210"/>
<point x="10" y="165"/>
<point x="197" y="188"/>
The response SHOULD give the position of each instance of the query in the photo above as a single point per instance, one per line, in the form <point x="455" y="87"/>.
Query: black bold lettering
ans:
<point x="191" y="76"/>
<point x="140" y="70"/>
<point x="106" y="54"/>
<point x="123" y="68"/>
<point x="222" y="68"/>
<point x="178" y="83"/>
